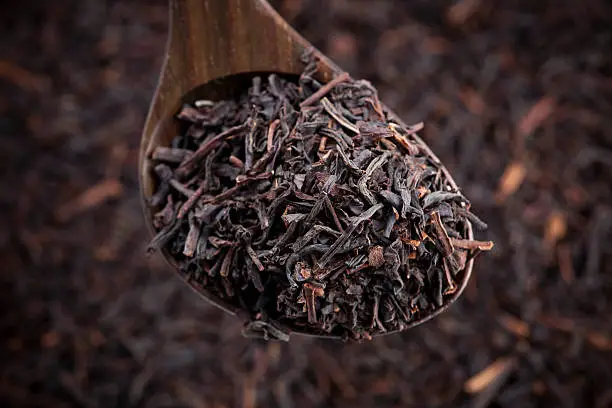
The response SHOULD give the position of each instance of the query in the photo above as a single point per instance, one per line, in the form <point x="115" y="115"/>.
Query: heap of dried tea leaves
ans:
<point x="308" y="209"/>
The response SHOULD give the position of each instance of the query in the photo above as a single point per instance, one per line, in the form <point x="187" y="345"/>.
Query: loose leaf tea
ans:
<point x="309" y="209"/>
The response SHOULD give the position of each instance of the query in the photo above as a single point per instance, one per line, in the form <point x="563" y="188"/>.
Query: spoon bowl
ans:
<point x="214" y="49"/>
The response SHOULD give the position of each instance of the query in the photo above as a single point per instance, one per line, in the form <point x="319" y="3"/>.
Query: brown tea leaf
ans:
<point x="536" y="116"/>
<point x="514" y="325"/>
<point x="23" y="78"/>
<point x="555" y="230"/>
<point x="480" y="381"/>
<point x="510" y="181"/>
<point x="600" y="340"/>
<point x="564" y="259"/>
<point x="461" y="11"/>
<point x="472" y="100"/>
<point x="472" y="244"/>
<point x="90" y="198"/>
<point x="375" y="257"/>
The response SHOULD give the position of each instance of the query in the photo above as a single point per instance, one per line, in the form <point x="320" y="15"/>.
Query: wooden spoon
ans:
<point x="214" y="49"/>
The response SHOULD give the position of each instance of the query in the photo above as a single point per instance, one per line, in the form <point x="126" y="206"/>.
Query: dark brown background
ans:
<point x="517" y="100"/>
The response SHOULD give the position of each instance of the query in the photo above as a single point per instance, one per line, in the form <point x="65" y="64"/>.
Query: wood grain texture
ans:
<point x="213" y="39"/>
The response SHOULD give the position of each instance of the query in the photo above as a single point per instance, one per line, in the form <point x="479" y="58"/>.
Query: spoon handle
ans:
<point x="215" y="38"/>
